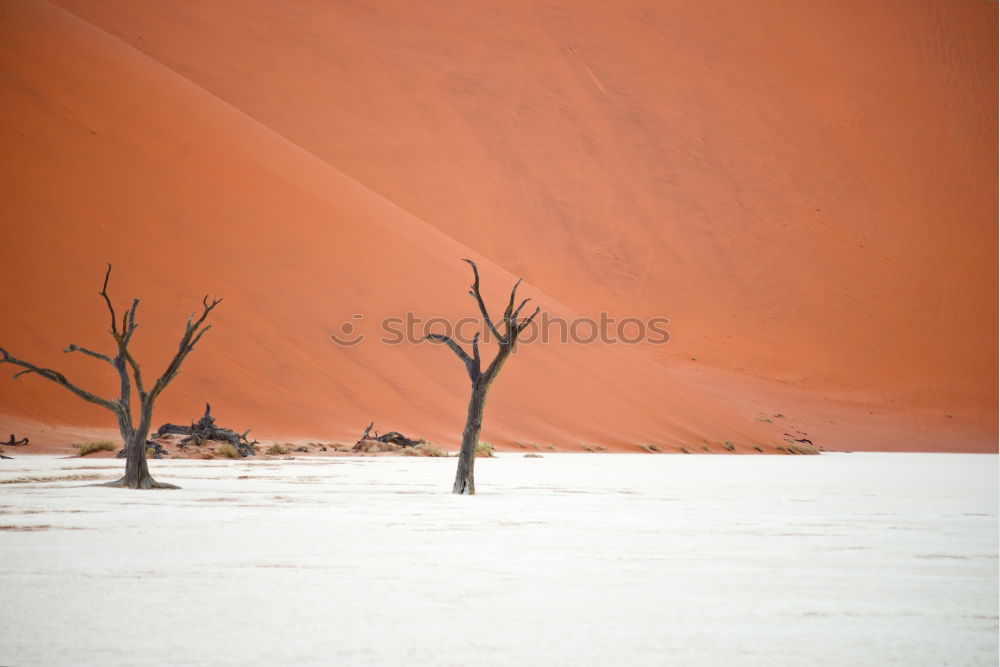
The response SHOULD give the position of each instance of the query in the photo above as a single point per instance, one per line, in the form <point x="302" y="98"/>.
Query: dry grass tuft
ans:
<point x="428" y="449"/>
<point x="227" y="450"/>
<point x="532" y="456"/>
<point x="96" y="446"/>
<point x="371" y="445"/>
<point x="423" y="449"/>
<point x="484" y="449"/>
<point x="729" y="446"/>
<point x="277" y="450"/>
<point x="797" y="448"/>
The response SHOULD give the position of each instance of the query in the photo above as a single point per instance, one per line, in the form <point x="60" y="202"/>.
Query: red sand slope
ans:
<point x="110" y="156"/>
<point x="808" y="192"/>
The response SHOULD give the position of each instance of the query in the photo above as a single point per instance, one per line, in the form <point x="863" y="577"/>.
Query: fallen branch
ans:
<point x="203" y="430"/>
<point x="12" y="443"/>
<point x="375" y="442"/>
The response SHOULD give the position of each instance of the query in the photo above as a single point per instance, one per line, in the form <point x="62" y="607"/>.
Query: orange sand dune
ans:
<point x="110" y="156"/>
<point x="808" y="190"/>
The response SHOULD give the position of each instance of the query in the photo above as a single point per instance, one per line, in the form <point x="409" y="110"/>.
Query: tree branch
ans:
<point x="517" y="311"/>
<point x="135" y="372"/>
<point x="128" y="323"/>
<point x="122" y="338"/>
<point x="107" y="300"/>
<point x="472" y="366"/>
<point x="474" y="293"/>
<point x="510" y="304"/>
<point x="56" y="377"/>
<point x="525" y="322"/>
<point x="193" y="331"/>
<point x="475" y="355"/>
<point x="73" y="347"/>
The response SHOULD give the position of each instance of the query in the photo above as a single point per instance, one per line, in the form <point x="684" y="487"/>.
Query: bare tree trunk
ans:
<point x="136" y="468"/>
<point x="464" y="481"/>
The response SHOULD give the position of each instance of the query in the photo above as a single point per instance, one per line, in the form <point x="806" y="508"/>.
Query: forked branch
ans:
<point x="193" y="331"/>
<point x="474" y="293"/>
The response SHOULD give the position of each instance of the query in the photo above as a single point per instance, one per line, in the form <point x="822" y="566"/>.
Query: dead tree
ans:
<point x="393" y="438"/>
<point x="513" y="325"/>
<point x="133" y="433"/>
<point x="204" y="429"/>
<point x="12" y="443"/>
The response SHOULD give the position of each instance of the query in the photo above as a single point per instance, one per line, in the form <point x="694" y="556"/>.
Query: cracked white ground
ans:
<point x="570" y="559"/>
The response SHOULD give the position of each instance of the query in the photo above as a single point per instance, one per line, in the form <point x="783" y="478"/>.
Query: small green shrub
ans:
<point x="758" y="449"/>
<point x="685" y="450"/>
<point x="729" y="446"/>
<point x="705" y="447"/>
<point x="96" y="446"/>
